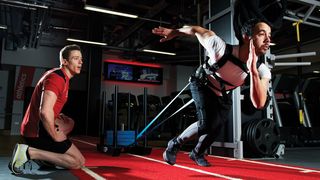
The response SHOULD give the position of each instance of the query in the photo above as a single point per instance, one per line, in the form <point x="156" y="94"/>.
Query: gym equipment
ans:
<point x="124" y="138"/>
<point x="286" y="86"/>
<point x="311" y="94"/>
<point x="297" y="109"/>
<point x="114" y="142"/>
<point x="261" y="138"/>
<point x="163" y="121"/>
<point x="111" y="149"/>
<point x="286" y="106"/>
<point x="153" y="106"/>
<point x="127" y="107"/>
<point x="154" y="119"/>
<point x="309" y="133"/>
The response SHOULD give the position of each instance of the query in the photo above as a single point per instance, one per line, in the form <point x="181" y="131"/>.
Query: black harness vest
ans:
<point x="227" y="56"/>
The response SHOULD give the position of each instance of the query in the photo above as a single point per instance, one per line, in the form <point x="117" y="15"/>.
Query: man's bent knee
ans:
<point x="76" y="158"/>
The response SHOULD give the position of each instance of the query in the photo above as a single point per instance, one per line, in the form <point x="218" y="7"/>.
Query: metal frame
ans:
<point x="306" y="17"/>
<point x="236" y="144"/>
<point x="270" y="61"/>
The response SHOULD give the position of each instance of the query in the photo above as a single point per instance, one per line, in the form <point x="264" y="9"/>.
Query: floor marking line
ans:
<point x="92" y="174"/>
<point x="180" y="166"/>
<point x="85" y="169"/>
<point x="308" y="171"/>
<point x="303" y="170"/>
<point x="188" y="168"/>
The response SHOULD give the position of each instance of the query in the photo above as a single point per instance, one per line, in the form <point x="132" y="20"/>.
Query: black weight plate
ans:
<point x="265" y="137"/>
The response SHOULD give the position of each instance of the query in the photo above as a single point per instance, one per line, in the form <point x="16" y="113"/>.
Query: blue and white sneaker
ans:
<point x="199" y="159"/>
<point x="170" y="154"/>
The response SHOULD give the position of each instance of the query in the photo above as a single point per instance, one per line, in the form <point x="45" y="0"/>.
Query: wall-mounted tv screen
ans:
<point x="132" y="73"/>
<point x="120" y="72"/>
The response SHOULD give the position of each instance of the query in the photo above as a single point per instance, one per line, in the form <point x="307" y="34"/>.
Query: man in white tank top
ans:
<point x="213" y="98"/>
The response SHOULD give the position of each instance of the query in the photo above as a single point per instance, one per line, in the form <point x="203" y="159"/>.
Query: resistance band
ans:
<point x="184" y="106"/>
<point x="154" y="119"/>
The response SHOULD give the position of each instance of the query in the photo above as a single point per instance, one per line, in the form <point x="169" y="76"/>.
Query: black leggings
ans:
<point x="212" y="113"/>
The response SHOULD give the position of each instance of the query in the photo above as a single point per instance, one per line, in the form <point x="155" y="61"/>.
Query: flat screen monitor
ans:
<point x="119" y="72"/>
<point x="132" y="73"/>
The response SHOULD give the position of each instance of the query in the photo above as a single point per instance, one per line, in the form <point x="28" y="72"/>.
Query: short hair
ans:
<point x="65" y="51"/>
<point x="248" y="27"/>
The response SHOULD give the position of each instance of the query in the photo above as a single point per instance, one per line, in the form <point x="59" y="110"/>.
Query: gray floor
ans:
<point x="7" y="143"/>
<point x="34" y="173"/>
<point x="307" y="157"/>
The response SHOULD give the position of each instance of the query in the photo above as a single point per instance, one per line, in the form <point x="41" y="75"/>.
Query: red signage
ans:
<point x="24" y="80"/>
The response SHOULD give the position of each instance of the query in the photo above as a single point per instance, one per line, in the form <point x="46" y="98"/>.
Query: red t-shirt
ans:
<point x="54" y="80"/>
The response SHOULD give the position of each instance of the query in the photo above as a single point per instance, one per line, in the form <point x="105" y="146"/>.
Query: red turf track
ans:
<point x="129" y="167"/>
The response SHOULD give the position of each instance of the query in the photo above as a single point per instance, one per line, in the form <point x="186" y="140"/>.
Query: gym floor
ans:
<point x="297" y="163"/>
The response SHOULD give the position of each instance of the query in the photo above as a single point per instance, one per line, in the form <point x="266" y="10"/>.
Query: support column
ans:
<point x="94" y="75"/>
<point x="221" y="18"/>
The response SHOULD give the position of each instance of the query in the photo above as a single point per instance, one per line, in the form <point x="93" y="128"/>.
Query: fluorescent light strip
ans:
<point x="292" y="64"/>
<point x="25" y="4"/>
<point x="87" y="42"/>
<point x="3" y="27"/>
<point x="159" y="52"/>
<point x="102" y="10"/>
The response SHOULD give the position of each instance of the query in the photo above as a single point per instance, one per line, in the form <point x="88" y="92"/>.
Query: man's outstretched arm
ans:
<point x="168" y="34"/>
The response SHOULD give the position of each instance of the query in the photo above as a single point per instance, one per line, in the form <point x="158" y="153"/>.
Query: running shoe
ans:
<point x="199" y="159"/>
<point x="19" y="158"/>
<point x="170" y="154"/>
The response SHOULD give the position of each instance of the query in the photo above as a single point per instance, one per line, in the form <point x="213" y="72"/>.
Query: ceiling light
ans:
<point x="3" y="27"/>
<point x="102" y="10"/>
<point x="22" y="4"/>
<point x="273" y="44"/>
<point x="159" y="52"/>
<point x="292" y="64"/>
<point x="87" y="42"/>
<point x="316" y="72"/>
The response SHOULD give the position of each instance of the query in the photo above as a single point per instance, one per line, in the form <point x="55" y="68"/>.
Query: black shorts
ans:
<point x="45" y="142"/>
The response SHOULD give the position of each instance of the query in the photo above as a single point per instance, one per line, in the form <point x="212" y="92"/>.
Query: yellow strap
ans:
<point x="297" y="28"/>
<point x="301" y="117"/>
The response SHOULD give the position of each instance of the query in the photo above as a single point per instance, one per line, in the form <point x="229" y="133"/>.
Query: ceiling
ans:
<point x="34" y="23"/>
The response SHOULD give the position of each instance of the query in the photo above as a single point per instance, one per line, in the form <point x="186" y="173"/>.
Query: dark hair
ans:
<point x="247" y="13"/>
<point x="247" y="28"/>
<point x="65" y="51"/>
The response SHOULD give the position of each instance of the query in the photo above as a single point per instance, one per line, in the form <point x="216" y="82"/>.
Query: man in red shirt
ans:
<point x="43" y="128"/>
